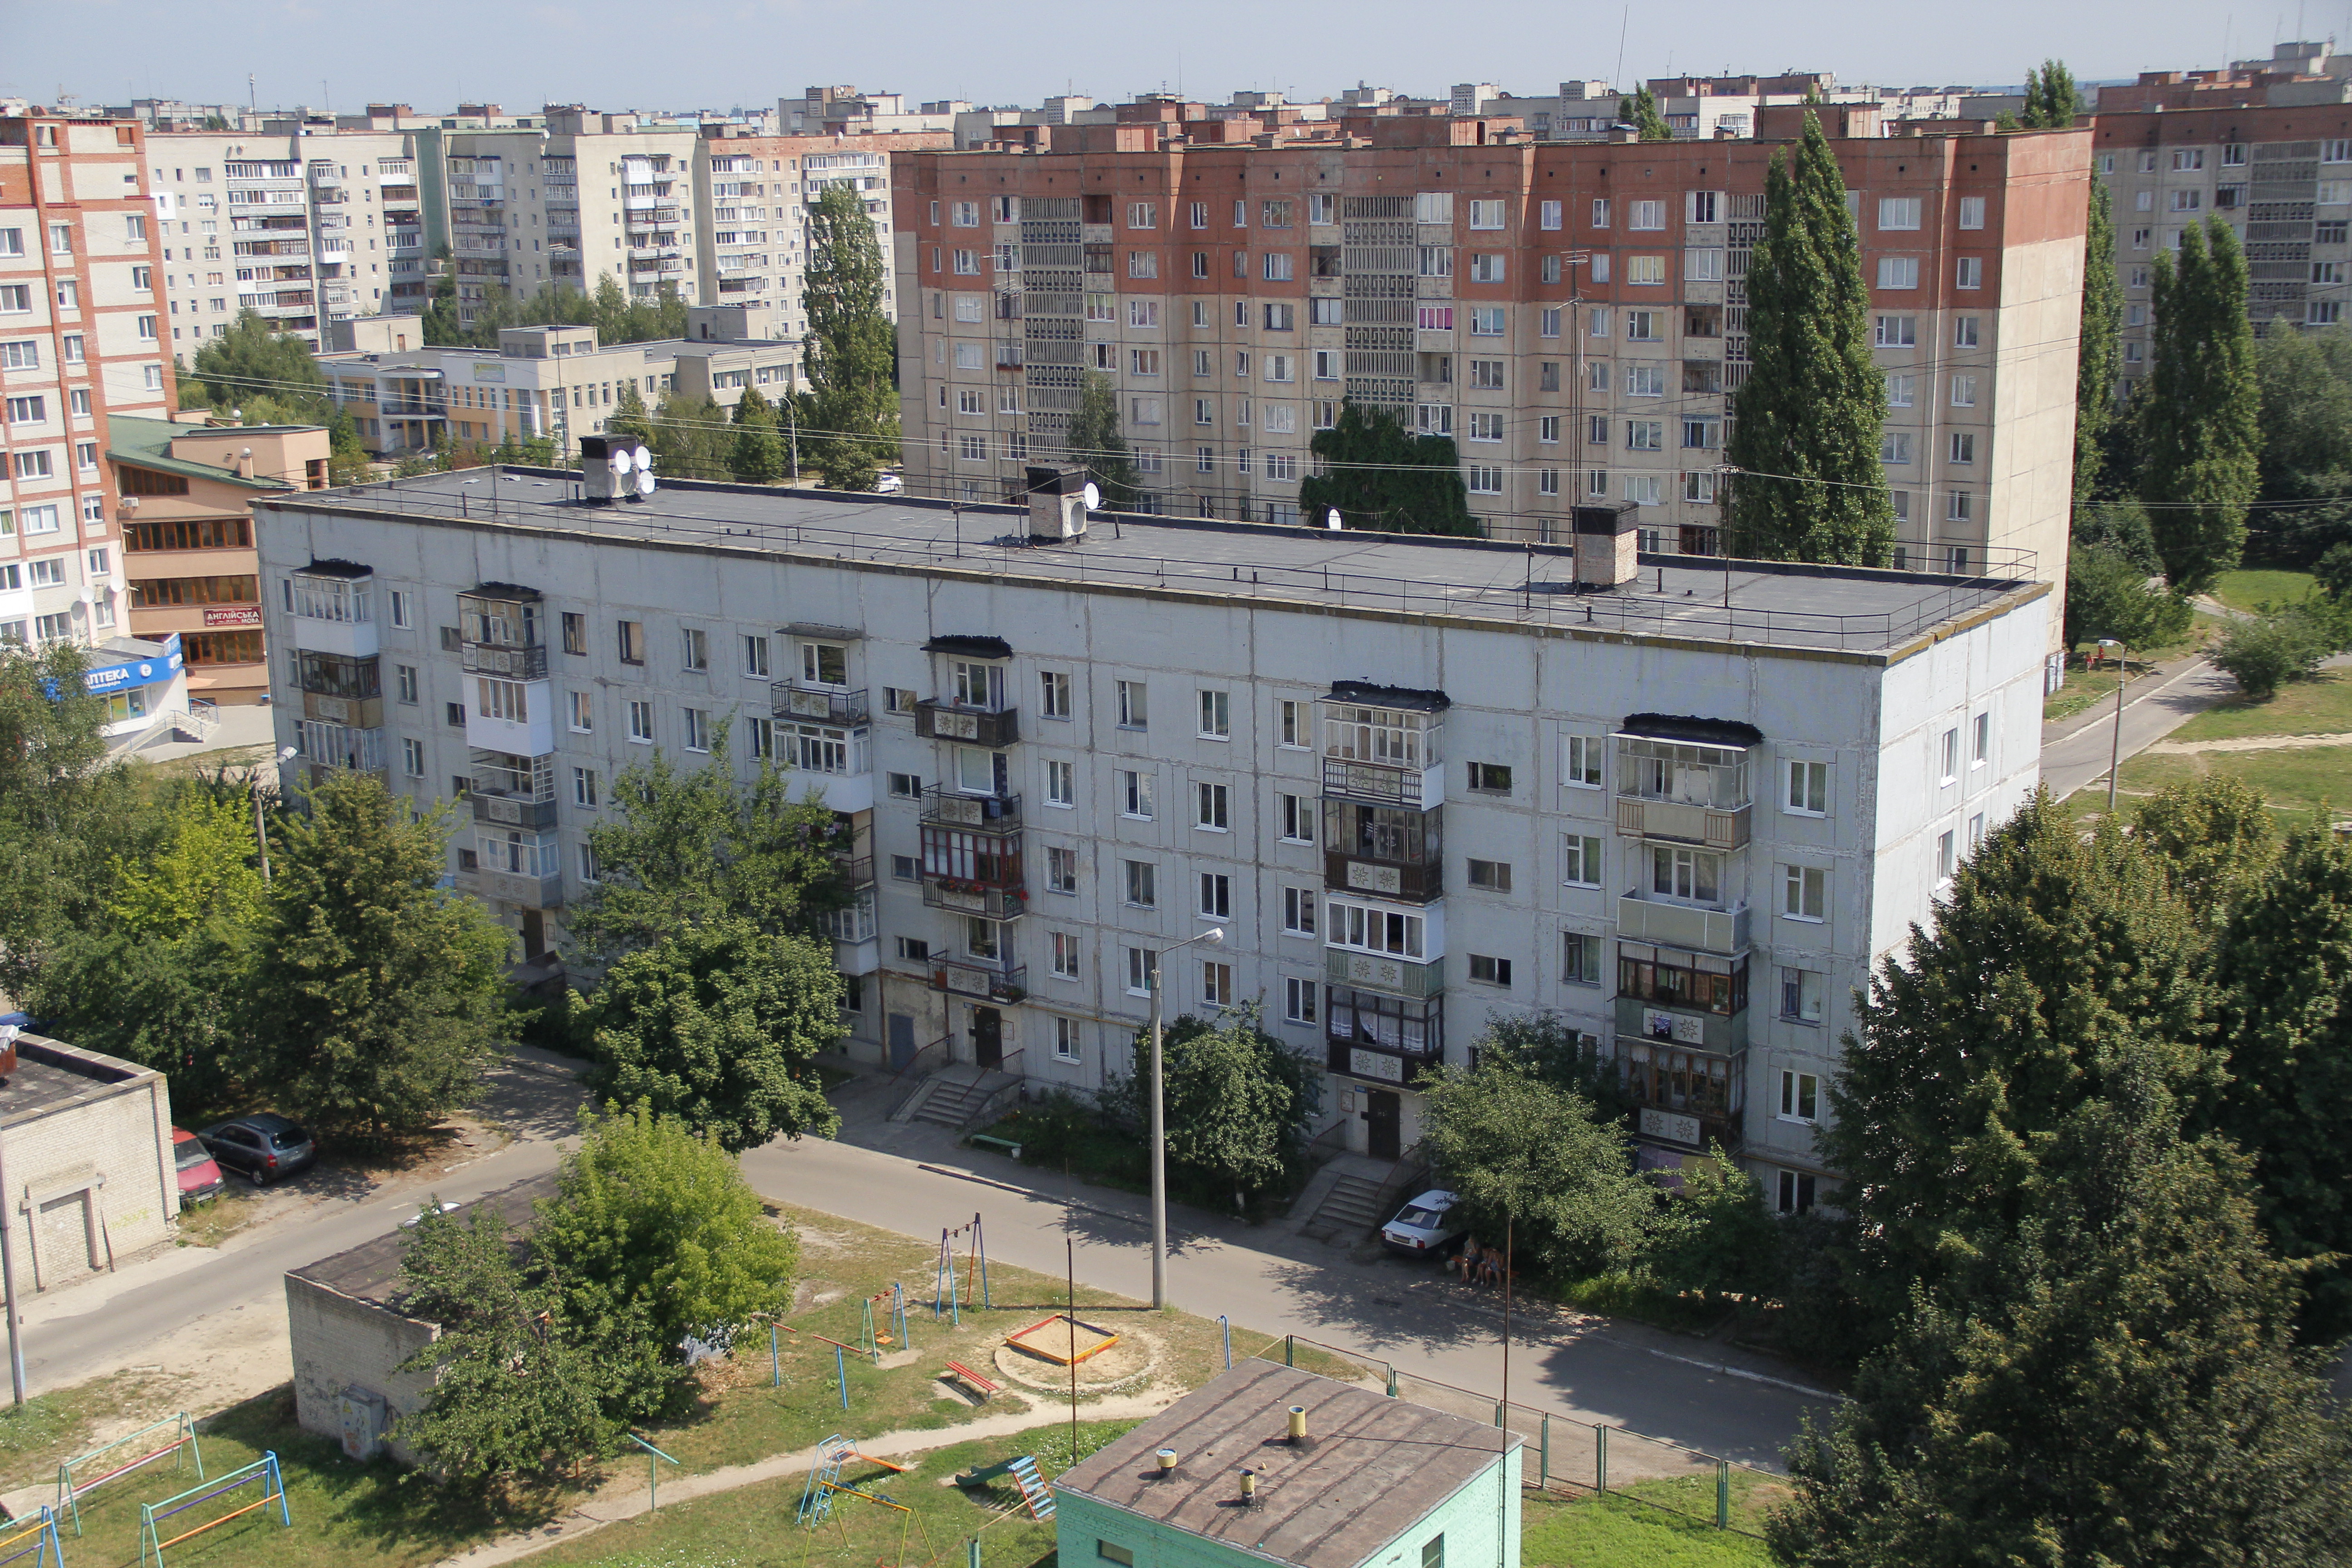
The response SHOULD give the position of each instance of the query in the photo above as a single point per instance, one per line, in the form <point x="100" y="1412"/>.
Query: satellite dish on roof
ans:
<point x="1091" y="496"/>
<point x="645" y="482"/>
<point x="620" y="460"/>
<point x="643" y="458"/>
<point x="1331" y="518"/>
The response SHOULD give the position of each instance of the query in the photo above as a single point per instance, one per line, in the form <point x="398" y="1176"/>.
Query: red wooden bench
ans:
<point x="986" y="1386"/>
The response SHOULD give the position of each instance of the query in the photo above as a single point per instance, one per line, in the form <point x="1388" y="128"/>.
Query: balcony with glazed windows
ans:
<point x="1691" y="997"/>
<point x="501" y="631"/>
<point x="513" y="791"/>
<point x="340" y="689"/>
<point x="325" y="745"/>
<point x="1386" y="851"/>
<point x="1685" y="781"/>
<point x="1380" y="1038"/>
<point x="1684" y="1096"/>
<point x="1380" y="745"/>
<point x="819" y="704"/>
<point x="515" y="866"/>
<point x="972" y="872"/>
<point x="330" y="604"/>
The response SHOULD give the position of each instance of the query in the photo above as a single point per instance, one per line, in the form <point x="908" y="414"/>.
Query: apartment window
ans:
<point x="1646" y="215"/>
<point x="1972" y="212"/>
<point x="1216" y="984"/>
<point x="1648" y="271"/>
<point x="633" y="642"/>
<point x="1061" y="782"/>
<point x="1947" y="754"/>
<point x="584" y="787"/>
<point x="1581" y="761"/>
<point x="1133" y="711"/>
<point x="1805" y="892"/>
<point x="1947" y="856"/>
<point x="1980" y="739"/>
<point x="1064" y="948"/>
<point x="1801" y="1094"/>
<point x="1896" y="332"/>
<point x="1809" y="789"/>
<point x="1299" y="1000"/>
<point x="914" y="950"/>
<point x="1216" y="716"/>
<point x="412" y="757"/>
<point x="698" y="730"/>
<point x="1374" y="930"/>
<point x="1579" y="958"/>
<point x="1970" y="273"/>
<point x="641" y="722"/>
<point x="1646" y="435"/>
<point x="1899" y="272"/>
<point x="1898" y="212"/>
<point x="1548" y="429"/>
<point x="1643" y="326"/>
<point x="1964" y="331"/>
<point x="584" y="712"/>
<point x="1494" y="876"/>
<point x="1895" y="447"/>
<point x="1800" y="995"/>
<point x="761" y="736"/>
<point x="1062" y="870"/>
<point x="1488" y="971"/>
<point x="1579" y="860"/>
<point x="1211" y="801"/>
<point x="695" y="652"/>
<point x="1141" y="884"/>
<point x="1796" y="1192"/>
<point x="1135" y="794"/>
<point x="1297" y="811"/>
<point x="1054" y="694"/>
<point x="1216" y="894"/>
<point x="1298" y="911"/>
<point x="897" y="700"/>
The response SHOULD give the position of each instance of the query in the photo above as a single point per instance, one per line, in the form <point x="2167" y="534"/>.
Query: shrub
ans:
<point x="2264" y="652"/>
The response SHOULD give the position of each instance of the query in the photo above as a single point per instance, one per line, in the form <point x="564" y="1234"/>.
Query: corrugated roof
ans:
<point x="371" y="1271"/>
<point x="147" y="444"/>
<point x="1372" y="1468"/>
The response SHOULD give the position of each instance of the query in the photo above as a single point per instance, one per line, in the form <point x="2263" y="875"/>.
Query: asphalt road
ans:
<point x="2157" y="710"/>
<point x="1271" y="1282"/>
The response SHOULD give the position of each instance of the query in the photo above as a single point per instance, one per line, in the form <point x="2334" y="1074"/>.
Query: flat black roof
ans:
<point x="1775" y="603"/>
<point x="1373" y="1466"/>
<point x="371" y="1271"/>
<point x="51" y="1074"/>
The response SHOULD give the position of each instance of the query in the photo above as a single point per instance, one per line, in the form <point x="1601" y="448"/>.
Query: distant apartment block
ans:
<point x="1572" y="314"/>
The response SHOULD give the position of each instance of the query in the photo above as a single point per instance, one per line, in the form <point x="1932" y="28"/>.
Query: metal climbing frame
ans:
<point x="147" y="1444"/>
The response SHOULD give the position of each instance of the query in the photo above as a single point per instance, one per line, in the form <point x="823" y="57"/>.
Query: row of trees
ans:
<point x="618" y="316"/>
<point x="2094" y="1252"/>
<point x="264" y="376"/>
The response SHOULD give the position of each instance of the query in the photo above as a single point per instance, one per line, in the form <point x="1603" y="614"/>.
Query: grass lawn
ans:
<point x="2087" y="687"/>
<point x="52" y="1428"/>
<point x="1623" y="1296"/>
<point x="2318" y="706"/>
<point x="1614" y="1531"/>
<point x="2294" y="783"/>
<point x="2244" y="590"/>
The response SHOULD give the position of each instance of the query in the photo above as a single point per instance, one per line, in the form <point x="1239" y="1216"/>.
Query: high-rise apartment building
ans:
<point x="308" y="227"/>
<point x="1415" y="781"/>
<point x="750" y="197"/>
<point x="1573" y="315"/>
<point x="2281" y="174"/>
<point x="82" y="340"/>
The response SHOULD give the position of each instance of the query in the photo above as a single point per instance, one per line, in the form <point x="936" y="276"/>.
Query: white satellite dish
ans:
<point x="1331" y="518"/>
<point x="645" y="482"/>
<point x="1091" y="496"/>
<point x="620" y="460"/>
<point x="643" y="458"/>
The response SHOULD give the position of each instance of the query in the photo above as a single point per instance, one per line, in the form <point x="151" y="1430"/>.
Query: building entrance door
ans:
<point x="1383" y="1115"/>
<point x="988" y="1037"/>
<point x="902" y="1041"/>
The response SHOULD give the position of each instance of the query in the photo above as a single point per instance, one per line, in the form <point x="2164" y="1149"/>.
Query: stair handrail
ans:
<point x="997" y="1097"/>
<point x="907" y="1083"/>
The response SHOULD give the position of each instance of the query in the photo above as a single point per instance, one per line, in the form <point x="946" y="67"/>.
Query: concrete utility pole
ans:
<point x="1214" y="934"/>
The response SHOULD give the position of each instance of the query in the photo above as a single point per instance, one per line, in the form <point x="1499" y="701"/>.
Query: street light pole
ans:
<point x="2115" y="751"/>
<point x="1214" y="934"/>
<point x="8" y="1264"/>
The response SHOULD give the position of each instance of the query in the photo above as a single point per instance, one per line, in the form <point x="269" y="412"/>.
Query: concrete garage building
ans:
<point x="349" y="1335"/>
<point x="1683" y="804"/>
<point x="1372" y="1482"/>
<point x="90" y="1181"/>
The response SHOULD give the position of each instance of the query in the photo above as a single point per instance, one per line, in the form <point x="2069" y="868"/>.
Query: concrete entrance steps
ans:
<point x="960" y="1095"/>
<point x="1350" y="1207"/>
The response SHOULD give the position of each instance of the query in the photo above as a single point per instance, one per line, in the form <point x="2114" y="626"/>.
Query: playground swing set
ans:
<point x="42" y="1534"/>
<point x="263" y="1471"/>
<point x="824" y="1484"/>
<point x="72" y="1487"/>
<point x="944" y="1296"/>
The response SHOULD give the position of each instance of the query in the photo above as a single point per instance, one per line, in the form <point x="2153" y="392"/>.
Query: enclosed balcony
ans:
<point x="973" y="873"/>
<point x="1685" y="1096"/>
<point x="514" y="791"/>
<point x="1391" y="852"/>
<point x="1650" y="918"/>
<point x="515" y="866"/>
<point x="1380" y="745"/>
<point x="500" y="631"/>
<point x="1681" y="979"/>
<point x="979" y="978"/>
<point x="1377" y="972"/>
<point x="332" y="606"/>
<point x="834" y="761"/>
<point x="1382" y="1039"/>
<point x="1685" y="780"/>
<point x="980" y="812"/>
<point x="339" y="688"/>
<point x="324" y="744"/>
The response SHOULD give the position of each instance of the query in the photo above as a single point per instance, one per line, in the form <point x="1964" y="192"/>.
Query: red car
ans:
<point x="200" y="1178"/>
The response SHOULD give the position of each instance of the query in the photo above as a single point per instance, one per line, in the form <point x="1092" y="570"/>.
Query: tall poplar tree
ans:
<point x="1380" y="475"/>
<point x="2200" y="413"/>
<point x="1806" y="422"/>
<point x="1640" y="112"/>
<point x="1096" y="441"/>
<point x="756" y="455"/>
<point x="2099" y="361"/>
<point x="2049" y="98"/>
<point x="849" y="416"/>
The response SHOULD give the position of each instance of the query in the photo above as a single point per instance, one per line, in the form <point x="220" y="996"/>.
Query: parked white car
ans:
<point x="888" y="485"/>
<point x="1425" y="1227"/>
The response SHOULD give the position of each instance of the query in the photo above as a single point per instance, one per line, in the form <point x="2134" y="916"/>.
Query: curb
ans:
<point x="1029" y="1192"/>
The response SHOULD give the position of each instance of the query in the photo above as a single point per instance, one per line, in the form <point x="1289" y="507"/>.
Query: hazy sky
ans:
<point x="723" y="53"/>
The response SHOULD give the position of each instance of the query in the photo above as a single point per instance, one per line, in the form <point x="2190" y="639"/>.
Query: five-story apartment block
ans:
<point x="1417" y="783"/>
<point x="1573" y="315"/>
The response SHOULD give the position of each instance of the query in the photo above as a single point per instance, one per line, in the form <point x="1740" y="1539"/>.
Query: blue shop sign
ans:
<point x="111" y="678"/>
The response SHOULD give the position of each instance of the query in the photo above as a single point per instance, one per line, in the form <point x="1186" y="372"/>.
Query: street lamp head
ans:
<point x="2109" y="642"/>
<point x="1214" y="936"/>
<point x="286" y="754"/>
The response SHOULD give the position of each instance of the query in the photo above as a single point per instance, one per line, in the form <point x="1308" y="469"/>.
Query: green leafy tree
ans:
<point x="2119" y="1387"/>
<point x="526" y="451"/>
<point x="2199" y="411"/>
<point x="1806" y="422"/>
<point x="441" y="324"/>
<point x="520" y="1397"/>
<point x="679" y="848"/>
<point x="2265" y="651"/>
<point x="2285" y="976"/>
<point x="651" y="1217"/>
<point x="1547" y="1045"/>
<point x="1640" y="112"/>
<point x="2306" y="447"/>
<point x="718" y="1024"/>
<point x="2050" y="99"/>
<point x="2333" y="571"/>
<point x="253" y="363"/>
<point x="1378" y="475"/>
<point x="66" y="806"/>
<point x="757" y="455"/>
<point x="2213" y="837"/>
<point x="1519" y="1150"/>
<point x="2110" y="596"/>
<point x="374" y="999"/>
<point x="849" y="416"/>
<point x="2120" y="526"/>
<point x="630" y="417"/>
<point x="2098" y="363"/>
<point x="2056" y="962"/>
<point x="1095" y="440"/>
<point x="1238" y="1101"/>
<point x="690" y="437"/>
<point x="1719" y="1241"/>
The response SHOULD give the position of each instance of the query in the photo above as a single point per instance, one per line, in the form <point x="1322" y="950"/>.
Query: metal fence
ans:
<point x="1564" y="1456"/>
